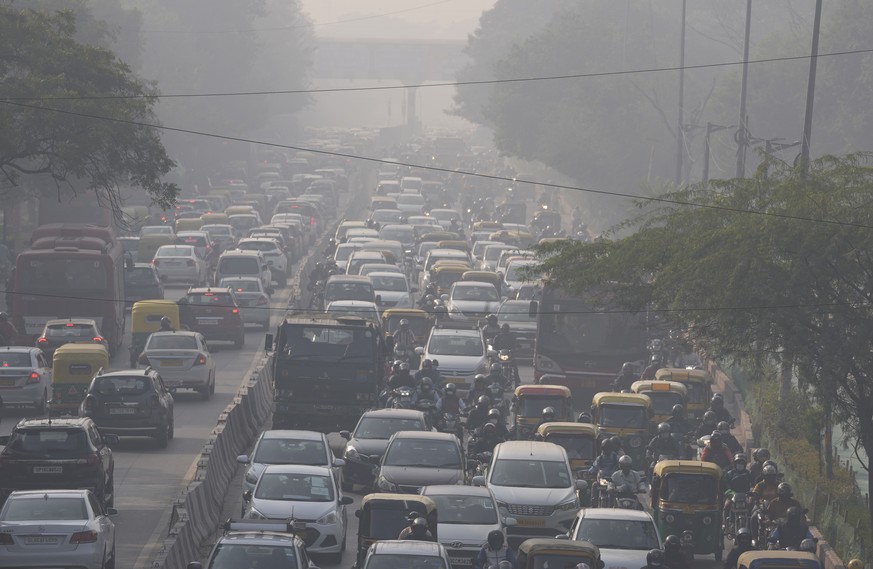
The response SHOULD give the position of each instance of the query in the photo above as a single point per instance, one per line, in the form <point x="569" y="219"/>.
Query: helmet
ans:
<point x="419" y="524"/>
<point x="436" y="363"/>
<point x="504" y="327"/>
<point x="761" y="454"/>
<point x="716" y="402"/>
<point x="794" y="514"/>
<point x="3" y="317"/>
<point x="855" y="564"/>
<point x="505" y="564"/>
<point x="723" y="427"/>
<point x="483" y="400"/>
<point x="489" y="429"/>
<point x="479" y="378"/>
<point x="319" y="265"/>
<point x="627" y="368"/>
<point x="426" y="363"/>
<point x="165" y="322"/>
<point x="770" y="470"/>
<point x="784" y="490"/>
<point x="497" y="367"/>
<point x="582" y="566"/>
<point x="678" y="410"/>
<point x="451" y="389"/>
<point x="655" y="557"/>
<point x="744" y="536"/>
<point x="808" y="545"/>
<point x="664" y="429"/>
<point x="428" y="298"/>
<point x="494" y="413"/>
<point x="404" y="366"/>
<point x="584" y="417"/>
<point x="411" y="516"/>
<point x="426" y="384"/>
<point x="491" y="319"/>
<point x="715" y="437"/>
<point x="656" y="360"/>
<point x="404" y="323"/>
<point x="549" y="413"/>
<point x="770" y="463"/>
<point x="625" y="460"/>
<point x="672" y="542"/>
<point x="740" y="457"/>
<point x="709" y="417"/>
<point x="615" y="443"/>
<point x="495" y="539"/>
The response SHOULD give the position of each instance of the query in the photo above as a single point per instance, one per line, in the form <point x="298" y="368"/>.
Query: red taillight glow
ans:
<point x="33" y="378"/>
<point x="312" y="220"/>
<point x="70" y="324"/>
<point x="97" y="339"/>
<point x="235" y="311"/>
<point x="92" y="458"/>
<point x="42" y="341"/>
<point x="84" y="537"/>
<point x="201" y="360"/>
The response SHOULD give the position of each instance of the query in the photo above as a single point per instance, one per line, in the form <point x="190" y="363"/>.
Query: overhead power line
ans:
<point x="441" y="84"/>
<point x="432" y="168"/>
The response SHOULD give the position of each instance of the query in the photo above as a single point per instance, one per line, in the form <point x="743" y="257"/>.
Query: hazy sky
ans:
<point x="443" y="19"/>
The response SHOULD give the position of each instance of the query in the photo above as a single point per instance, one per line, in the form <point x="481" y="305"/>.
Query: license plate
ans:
<point x="171" y="362"/>
<point x="40" y="540"/>
<point x="531" y="522"/>
<point x="207" y="322"/>
<point x="7" y="382"/>
<point x="122" y="410"/>
<point x="461" y="560"/>
<point x="48" y="469"/>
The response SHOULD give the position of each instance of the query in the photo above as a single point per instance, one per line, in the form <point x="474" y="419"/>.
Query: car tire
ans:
<point x="163" y="437"/>
<point x="212" y="386"/>
<point x="240" y="341"/>
<point x="171" y="430"/>
<point x="109" y="489"/>
<point x="205" y="391"/>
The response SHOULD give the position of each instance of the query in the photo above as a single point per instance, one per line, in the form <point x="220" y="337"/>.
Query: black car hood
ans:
<point x="369" y="446"/>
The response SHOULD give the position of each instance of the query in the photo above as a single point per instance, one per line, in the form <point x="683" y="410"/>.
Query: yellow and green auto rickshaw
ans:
<point x="420" y="322"/>
<point x="148" y="245"/>
<point x="550" y="553"/>
<point x="778" y="560"/>
<point x="582" y="443"/>
<point x="188" y="224"/>
<point x="456" y="244"/>
<point x="626" y="416"/>
<point x="699" y="384"/>
<point x="215" y="218"/>
<point x="383" y="516"/>
<point x="446" y="273"/>
<point x="73" y="367"/>
<point x="145" y="318"/>
<point x="663" y="395"/>
<point x="687" y="502"/>
<point x="528" y="403"/>
<point x="437" y="236"/>
<point x="486" y="226"/>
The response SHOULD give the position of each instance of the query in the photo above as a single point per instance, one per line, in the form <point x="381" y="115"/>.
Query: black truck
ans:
<point x="327" y="371"/>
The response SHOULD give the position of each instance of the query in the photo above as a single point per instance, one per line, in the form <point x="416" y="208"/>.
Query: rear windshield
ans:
<point x="399" y="561"/>
<point x="13" y="359"/>
<point x="349" y="291"/>
<point x="392" y="284"/>
<point x="257" y="246"/>
<point x="238" y="265"/>
<point x="123" y="385"/>
<point x="210" y="298"/>
<point x="290" y="451"/>
<point x="140" y="276"/>
<point x="383" y="427"/>
<point x="174" y="252"/>
<point x="48" y="441"/>
<point x="242" y="286"/>
<point x="402" y="234"/>
<point x="69" y="330"/>
<point x="171" y="342"/>
<point x="194" y="240"/>
<point x="39" y="509"/>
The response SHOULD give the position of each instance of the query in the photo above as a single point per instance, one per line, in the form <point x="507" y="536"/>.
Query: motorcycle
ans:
<point x="505" y="358"/>
<point x="402" y="398"/>
<point x="451" y="423"/>
<point x="623" y="497"/>
<point x="600" y="490"/>
<point x="738" y="517"/>
<point x="479" y="462"/>
<point x="426" y="406"/>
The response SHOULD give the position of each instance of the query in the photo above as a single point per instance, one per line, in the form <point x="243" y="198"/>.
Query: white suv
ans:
<point x="272" y="252"/>
<point x="236" y="263"/>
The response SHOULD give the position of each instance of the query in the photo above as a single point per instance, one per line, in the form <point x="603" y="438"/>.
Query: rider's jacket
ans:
<point x="404" y="339"/>
<point x="633" y="478"/>
<point x="738" y="480"/>
<point x="666" y="446"/>
<point x="606" y="463"/>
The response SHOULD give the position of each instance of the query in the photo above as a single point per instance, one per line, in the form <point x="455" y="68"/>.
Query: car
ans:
<point x="410" y="183"/>
<point x="301" y="492"/>
<point x="366" y="444"/>
<point x="415" y="459"/>
<point x="130" y="403"/>
<point x="460" y="351"/>
<point x="183" y="360"/>
<point x="445" y="216"/>
<point x="410" y="204"/>
<point x="56" y="333"/>
<point x="344" y="226"/>
<point x="390" y="554"/>
<point x="392" y="289"/>
<point x="624" y="536"/>
<point x="516" y="274"/>
<point x="197" y="239"/>
<point x="344" y="251"/>
<point x="58" y="453"/>
<point x="252" y="544"/>
<point x="361" y="257"/>
<point x="491" y="254"/>
<point x="157" y="230"/>
<point x="142" y="282"/>
<point x="180" y="263"/>
<point x="254" y="302"/>
<point x="221" y="234"/>
<point x="56" y="528"/>
<point x="472" y="300"/>
<point x="25" y="378"/>
<point x="366" y="310"/>
<point x="288" y="447"/>
<point x="383" y="216"/>
<point x="516" y="313"/>
<point x="272" y="253"/>
<point x="534" y="482"/>
<point x="215" y="313"/>
<point x="237" y="263"/>
<point x="466" y="515"/>
<point x="368" y="268"/>
<point x="348" y="287"/>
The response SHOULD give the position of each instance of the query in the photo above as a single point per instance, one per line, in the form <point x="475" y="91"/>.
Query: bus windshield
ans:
<point x="63" y="273"/>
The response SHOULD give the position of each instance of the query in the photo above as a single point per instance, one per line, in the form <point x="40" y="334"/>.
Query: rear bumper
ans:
<point x="139" y="428"/>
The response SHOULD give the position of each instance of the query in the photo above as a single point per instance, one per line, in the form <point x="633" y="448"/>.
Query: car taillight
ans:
<point x="42" y="341"/>
<point x="311" y="220"/>
<point x="235" y="311"/>
<point x="33" y="378"/>
<point x="97" y="340"/>
<point x="90" y="404"/>
<point x="92" y="458"/>
<point x="143" y="360"/>
<point x="155" y="262"/>
<point x="201" y="360"/>
<point x="84" y="537"/>
<point x="6" y="539"/>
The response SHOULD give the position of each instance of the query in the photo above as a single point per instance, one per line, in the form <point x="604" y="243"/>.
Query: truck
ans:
<point x="327" y="371"/>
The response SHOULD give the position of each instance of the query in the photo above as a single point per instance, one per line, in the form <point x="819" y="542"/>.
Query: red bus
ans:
<point x="71" y="271"/>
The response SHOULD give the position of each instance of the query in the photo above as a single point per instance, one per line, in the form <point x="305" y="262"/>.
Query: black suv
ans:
<point x="141" y="282"/>
<point x="133" y="402"/>
<point x="56" y="454"/>
<point x="214" y="312"/>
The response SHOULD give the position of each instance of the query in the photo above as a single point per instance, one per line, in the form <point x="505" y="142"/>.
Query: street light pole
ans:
<point x="680" y="132"/>
<point x="810" y="92"/>
<point x="743" y="131"/>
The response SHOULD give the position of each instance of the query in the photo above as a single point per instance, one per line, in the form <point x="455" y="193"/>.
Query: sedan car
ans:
<point x="56" y="528"/>
<point x="273" y="254"/>
<point x="70" y="331"/>
<point x="310" y="496"/>
<point x="254" y="301"/>
<point x="461" y="353"/>
<point x="287" y="447"/>
<point x="180" y="263"/>
<point x="392" y="289"/>
<point x="25" y="378"/>
<point x="395" y="554"/>
<point x="183" y="360"/>
<point x="471" y="300"/>
<point x="623" y="536"/>
<point x="360" y="308"/>
<point x="142" y="282"/>
<point x="415" y="459"/>
<point x="252" y="544"/>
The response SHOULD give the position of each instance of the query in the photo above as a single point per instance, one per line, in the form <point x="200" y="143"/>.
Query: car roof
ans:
<point x="387" y="274"/>
<point x="245" y="278"/>
<point x="73" y="320"/>
<point x="470" y="284"/>
<point x="352" y="303"/>
<point x="293" y="434"/>
<point x="429" y="435"/>
<point x="456" y="490"/>
<point x="296" y="469"/>
<point x="614" y="514"/>
<point x="348" y="278"/>
<point x="173" y="333"/>
<point x="263" y="538"/>
<point x="205" y="289"/>
<point x="82" y="493"/>
<point x="408" y="547"/>
<point x="59" y="422"/>
<point x="457" y="332"/>
<point x="19" y="349"/>
<point x="517" y="450"/>
<point x="398" y="413"/>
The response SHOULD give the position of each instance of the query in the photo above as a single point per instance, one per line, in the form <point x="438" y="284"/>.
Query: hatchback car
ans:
<point x="415" y="459"/>
<point x="461" y="353"/>
<point x="252" y="544"/>
<point x="368" y="268"/>
<point x="366" y="310"/>
<point x="471" y="300"/>
<point x="624" y="536"/>
<point x="348" y="287"/>
<point x="181" y="264"/>
<point x="272" y="253"/>
<point x="395" y="554"/>
<point x="70" y="331"/>
<point x="215" y="313"/>
<point x="392" y="289"/>
<point x="221" y="234"/>
<point x="157" y="230"/>
<point x="287" y="447"/>
<point x="56" y="528"/>
<point x="183" y="360"/>
<point x="254" y="302"/>
<point x="25" y="378"/>
<point x="197" y="239"/>
<point x="142" y="282"/>
<point x="130" y="403"/>
<point x="309" y="495"/>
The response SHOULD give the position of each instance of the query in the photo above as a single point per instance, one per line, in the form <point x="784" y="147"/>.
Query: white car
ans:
<point x="301" y="492"/>
<point x="517" y="274"/>
<point x="491" y="254"/>
<point x="56" y="528"/>
<point x="272" y="253"/>
<point x="25" y="378"/>
<point x="368" y="268"/>
<point x="360" y="308"/>
<point x="412" y="204"/>
<point x="254" y="302"/>
<point x="288" y="447"/>
<point x="624" y="537"/>
<point x="471" y="300"/>
<point x="197" y="239"/>
<point x="445" y="217"/>
<point x="180" y="263"/>
<point x="182" y="359"/>
<point x="157" y="230"/>
<point x="392" y="289"/>
<point x="461" y="353"/>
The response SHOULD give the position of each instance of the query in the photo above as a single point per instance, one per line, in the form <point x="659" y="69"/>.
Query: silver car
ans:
<point x="25" y="378"/>
<point x="254" y="302"/>
<point x="180" y="263"/>
<point x="56" y="528"/>
<point x="182" y="359"/>
<point x="392" y="289"/>
<point x="461" y="353"/>
<point x="472" y="301"/>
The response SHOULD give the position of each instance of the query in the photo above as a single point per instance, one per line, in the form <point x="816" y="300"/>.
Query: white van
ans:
<point x="237" y="263"/>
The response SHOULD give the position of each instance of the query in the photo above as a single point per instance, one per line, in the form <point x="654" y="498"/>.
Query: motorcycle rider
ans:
<point x="166" y="325"/>
<point x="742" y="544"/>
<point x="428" y="370"/>
<point x="716" y="452"/>
<point x="450" y="402"/>
<point x="779" y="506"/>
<point x="792" y="531"/>
<point x="479" y="413"/>
<point x="768" y="487"/>
<point x="584" y="417"/>
<point x="728" y="439"/>
<point x="426" y="391"/>
<point x="656" y="363"/>
<point x="480" y="388"/>
<point x="495" y="374"/>
<point x="404" y="337"/>
<point x="688" y="358"/>
<point x="494" y="551"/>
<point x="505" y="339"/>
<point x="679" y="428"/>
<point x="491" y="329"/>
<point x="400" y="376"/>
<point x="548" y="416"/>
<point x="737" y="480"/>
<point x="716" y="405"/>
<point x="625" y="378"/>
<point x="674" y="558"/>
<point x="495" y="417"/>
<point x="8" y="332"/>
<point x="417" y="531"/>
<point x="317" y="274"/>
<point x="606" y="462"/>
<point x="760" y="456"/>
<point x="663" y="444"/>
<point x="707" y="425"/>
<point x="654" y="560"/>
<point x="626" y="475"/>
<point x="486" y="440"/>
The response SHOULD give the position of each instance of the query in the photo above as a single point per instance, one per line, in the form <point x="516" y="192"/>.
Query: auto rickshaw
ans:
<point x="528" y="403"/>
<point x="437" y="236"/>
<point x="624" y="415"/>
<point x="778" y="560"/>
<point x="456" y="244"/>
<point x="214" y="218"/>
<point x="663" y="395"/>
<point x="489" y="277"/>
<point x="420" y="322"/>
<point x="582" y="443"/>
<point x="699" y="384"/>
<point x="238" y="210"/>
<point x="486" y="226"/>
<point x="687" y="502"/>
<point x="188" y="224"/>
<point x="383" y="516"/>
<point x="521" y="239"/>
<point x="146" y="318"/>
<point x="542" y="552"/>
<point x="149" y="245"/>
<point x="73" y="367"/>
<point x="444" y="274"/>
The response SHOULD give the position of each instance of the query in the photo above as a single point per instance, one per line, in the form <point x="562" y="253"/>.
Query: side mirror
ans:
<point x="243" y="459"/>
<point x="533" y="309"/>
<point x="345" y="434"/>
<point x="247" y="496"/>
<point x="378" y="299"/>
<point x="346" y="500"/>
<point x="581" y="485"/>
<point x="478" y="481"/>
<point x="492" y="353"/>
<point x="339" y="462"/>
<point x="110" y="439"/>
<point x="357" y="513"/>
<point x="111" y="512"/>
<point x="509" y="522"/>
<point x="268" y="342"/>
<point x="562" y="536"/>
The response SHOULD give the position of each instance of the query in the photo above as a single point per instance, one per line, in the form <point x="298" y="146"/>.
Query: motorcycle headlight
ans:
<point x="352" y="453"/>
<point x="635" y="442"/>
<point x="504" y="357"/>
<point x="707" y="520"/>
<point x="386" y="485"/>
<point x="327" y="519"/>
<point x="567" y="506"/>
<point x="669" y="518"/>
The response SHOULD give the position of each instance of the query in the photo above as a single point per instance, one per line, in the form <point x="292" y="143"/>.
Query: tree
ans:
<point x="60" y="140"/>
<point x="773" y="264"/>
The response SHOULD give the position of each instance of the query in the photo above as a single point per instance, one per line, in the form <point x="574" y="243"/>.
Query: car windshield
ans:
<point x="522" y="272"/>
<point x="618" y="534"/>
<point x="470" y="510"/>
<point x="689" y="489"/>
<point x="239" y="556"/>
<point x="365" y="312"/>
<point x="47" y="441"/>
<point x="396" y="561"/>
<point x="123" y="385"/>
<point x="383" y="427"/>
<point x="492" y="253"/>
<point x="70" y="330"/>
<point x="290" y="451"/>
<point x="294" y="487"/>
<point x="533" y="405"/>
<point x="39" y="509"/>
<point x="577" y="446"/>
<point x="210" y="298"/>
<point x="166" y="251"/>
<point x="140" y="276"/>
<point x="171" y="342"/>
<point x="451" y="345"/>
<point x="14" y="359"/>
<point x="483" y="293"/>
<point x="625" y="416"/>
<point x="391" y="284"/>
<point x="242" y="285"/>
<point x="349" y="291"/>
<point x="266" y="246"/>
<point x="156" y="230"/>
<point x="403" y="234"/>
<point x="423" y="453"/>
<point x="663" y="401"/>
<point x="515" y="313"/>
<point x="531" y="474"/>
<point x="344" y="251"/>
<point x="386" y="216"/>
<point x="238" y="265"/>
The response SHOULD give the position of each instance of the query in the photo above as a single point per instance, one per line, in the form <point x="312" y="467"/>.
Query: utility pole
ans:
<point x="680" y="130"/>
<point x="810" y="92"/>
<point x="742" y="136"/>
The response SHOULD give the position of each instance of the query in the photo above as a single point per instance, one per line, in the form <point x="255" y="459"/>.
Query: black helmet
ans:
<point x="761" y="454"/>
<point x="678" y="410"/>
<point x="769" y="470"/>
<point x="584" y="417"/>
<point x="504" y="327"/>
<point x="740" y="457"/>
<point x="723" y="427"/>
<point x="491" y="319"/>
<point x="489" y="429"/>
<point x="794" y="514"/>
<point x="655" y="557"/>
<point x="716" y="402"/>
<point x="495" y="539"/>
<point x="479" y="378"/>
<point x="426" y="363"/>
<point x="404" y="366"/>
<point x="483" y="400"/>
<point x="165" y="322"/>
<point x="656" y="360"/>
<point x="404" y="323"/>
<point x="672" y="542"/>
<point x="709" y="417"/>
<point x="744" y="536"/>
<point x="615" y="443"/>
<point x="784" y="490"/>
<point x="664" y="428"/>
<point x="627" y="368"/>
<point x="549" y="413"/>
<point x="770" y="463"/>
<point x="625" y="460"/>
<point x="494" y="413"/>
<point x="419" y="524"/>
<point x="451" y="388"/>
<point x="808" y="545"/>
<point x="426" y="384"/>
<point x="715" y="437"/>
<point x="436" y="363"/>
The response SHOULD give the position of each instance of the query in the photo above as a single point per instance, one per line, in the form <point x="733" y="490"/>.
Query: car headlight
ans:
<point x="352" y="453"/>
<point x="251" y="476"/>
<point x="386" y="485"/>
<point x="327" y="519"/>
<point x="567" y="506"/>
<point x="669" y="518"/>
<point x="635" y="442"/>
<point x="253" y="514"/>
